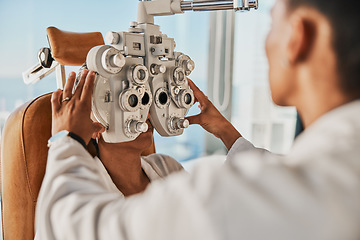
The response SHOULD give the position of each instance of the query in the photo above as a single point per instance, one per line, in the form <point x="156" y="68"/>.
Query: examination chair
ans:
<point x="24" y="141"/>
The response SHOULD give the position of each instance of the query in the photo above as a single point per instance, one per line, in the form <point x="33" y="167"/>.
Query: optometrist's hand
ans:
<point x="72" y="111"/>
<point x="212" y="120"/>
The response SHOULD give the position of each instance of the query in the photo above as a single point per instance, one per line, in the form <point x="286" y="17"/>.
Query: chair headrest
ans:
<point x="70" y="48"/>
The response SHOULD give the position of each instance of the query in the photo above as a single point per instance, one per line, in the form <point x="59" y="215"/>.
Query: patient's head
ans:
<point x="314" y="44"/>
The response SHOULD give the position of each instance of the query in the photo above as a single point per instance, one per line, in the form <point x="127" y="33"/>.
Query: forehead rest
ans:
<point x="70" y="48"/>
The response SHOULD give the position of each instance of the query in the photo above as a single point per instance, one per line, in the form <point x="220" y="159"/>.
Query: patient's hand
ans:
<point x="72" y="111"/>
<point x="212" y="120"/>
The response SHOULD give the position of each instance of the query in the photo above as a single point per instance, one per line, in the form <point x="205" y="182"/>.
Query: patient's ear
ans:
<point x="99" y="128"/>
<point x="302" y="37"/>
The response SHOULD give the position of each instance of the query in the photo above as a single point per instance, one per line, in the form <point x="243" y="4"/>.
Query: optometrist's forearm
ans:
<point x="229" y="135"/>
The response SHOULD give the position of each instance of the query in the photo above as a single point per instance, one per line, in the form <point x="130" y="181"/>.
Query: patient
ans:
<point x="121" y="164"/>
<point x="139" y="170"/>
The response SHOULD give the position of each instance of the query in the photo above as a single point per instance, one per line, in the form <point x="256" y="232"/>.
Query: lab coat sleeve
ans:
<point x="74" y="204"/>
<point x="242" y="145"/>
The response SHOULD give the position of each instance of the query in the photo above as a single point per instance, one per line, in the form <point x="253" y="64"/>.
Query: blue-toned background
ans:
<point x="23" y="32"/>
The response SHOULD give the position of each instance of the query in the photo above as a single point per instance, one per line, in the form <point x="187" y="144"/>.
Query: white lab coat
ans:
<point x="313" y="193"/>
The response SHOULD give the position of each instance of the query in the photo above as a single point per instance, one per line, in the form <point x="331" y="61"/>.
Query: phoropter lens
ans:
<point x="163" y="98"/>
<point x="141" y="74"/>
<point x="187" y="98"/>
<point x="133" y="100"/>
<point x="146" y="98"/>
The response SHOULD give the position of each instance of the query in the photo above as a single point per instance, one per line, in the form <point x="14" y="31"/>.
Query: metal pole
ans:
<point x="212" y="5"/>
<point x="208" y="7"/>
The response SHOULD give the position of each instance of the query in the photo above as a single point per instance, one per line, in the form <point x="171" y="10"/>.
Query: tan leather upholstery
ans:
<point x="23" y="162"/>
<point x="24" y="150"/>
<point x="69" y="48"/>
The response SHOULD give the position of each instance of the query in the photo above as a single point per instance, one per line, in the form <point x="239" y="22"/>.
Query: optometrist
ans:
<point x="312" y="193"/>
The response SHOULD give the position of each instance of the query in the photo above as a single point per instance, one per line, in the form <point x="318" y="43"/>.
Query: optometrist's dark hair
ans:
<point x="344" y="17"/>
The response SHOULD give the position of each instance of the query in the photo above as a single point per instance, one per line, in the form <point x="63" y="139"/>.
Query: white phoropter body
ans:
<point x="140" y="72"/>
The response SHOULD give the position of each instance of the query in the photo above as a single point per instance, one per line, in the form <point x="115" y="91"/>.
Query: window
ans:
<point x="254" y="114"/>
<point x="23" y="26"/>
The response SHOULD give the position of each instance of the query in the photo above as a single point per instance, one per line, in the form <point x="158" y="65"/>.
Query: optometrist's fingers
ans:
<point x="199" y="95"/>
<point x="80" y="86"/>
<point x="196" y="119"/>
<point x="67" y="93"/>
<point x="88" y="88"/>
<point x="55" y="100"/>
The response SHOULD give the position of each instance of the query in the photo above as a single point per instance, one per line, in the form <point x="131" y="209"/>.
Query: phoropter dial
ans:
<point x="138" y="74"/>
<point x="176" y="123"/>
<point x="105" y="60"/>
<point x="186" y="64"/>
<point x="185" y="98"/>
<point x="135" y="126"/>
<point x="129" y="100"/>
<point x="178" y="76"/>
<point x="112" y="60"/>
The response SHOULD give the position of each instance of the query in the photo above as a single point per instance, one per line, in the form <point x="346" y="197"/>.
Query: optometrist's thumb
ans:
<point x="196" y="119"/>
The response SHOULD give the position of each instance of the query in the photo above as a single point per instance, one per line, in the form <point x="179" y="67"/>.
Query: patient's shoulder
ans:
<point x="163" y="164"/>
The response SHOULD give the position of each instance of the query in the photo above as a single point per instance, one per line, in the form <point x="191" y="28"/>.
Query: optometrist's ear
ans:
<point x="302" y="35"/>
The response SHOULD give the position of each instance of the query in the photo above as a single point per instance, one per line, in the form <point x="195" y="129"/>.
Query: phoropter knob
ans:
<point x="179" y="123"/>
<point x="189" y="65"/>
<point x="45" y="57"/>
<point x="119" y="60"/>
<point x="112" y="60"/>
<point x="157" y="69"/>
<point x="112" y="38"/>
<point x="186" y="63"/>
<point x="137" y="126"/>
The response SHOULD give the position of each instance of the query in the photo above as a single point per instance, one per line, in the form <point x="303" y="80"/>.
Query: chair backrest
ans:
<point x="23" y="163"/>
<point x="24" y="142"/>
